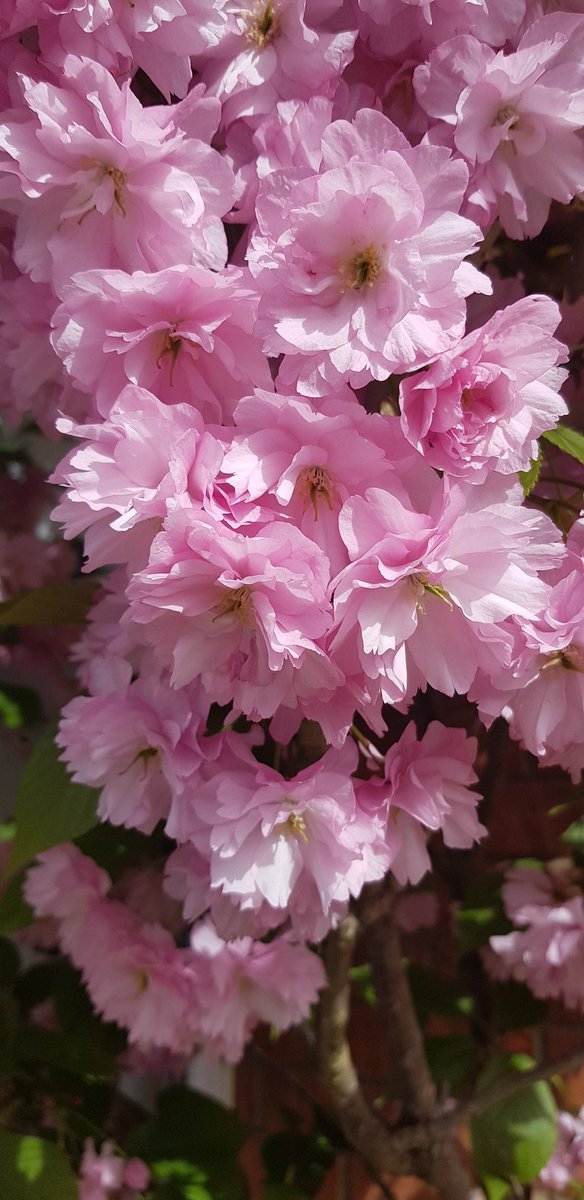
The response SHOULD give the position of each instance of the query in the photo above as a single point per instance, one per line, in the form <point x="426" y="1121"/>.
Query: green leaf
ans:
<point x="514" y="1006"/>
<point x="192" y="1127"/>
<point x="362" y="978"/>
<point x="77" y="1054"/>
<point x="15" y="913"/>
<point x="434" y="994"/>
<point x="529" y="478"/>
<point x="50" y="808"/>
<point x="574" y="834"/>
<point x="298" y="1161"/>
<point x="34" y="1169"/>
<point x="496" y="1189"/>
<point x="19" y="706"/>
<point x="180" y="1180"/>
<point x="514" y="1138"/>
<point x="9" y="962"/>
<point x="482" y="915"/>
<point x="9" y="1020"/>
<point x="84" y="1046"/>
<point x="63" y="603"/>
<point x="568" y="440"/>
<point x="117" y="849"/>
<point x="453" y="1060"/>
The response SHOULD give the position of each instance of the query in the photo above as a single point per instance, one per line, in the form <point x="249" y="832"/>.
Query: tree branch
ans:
<point x="362" y="1129"/>
<point x="509" y="1085"/>
<point x="437" y="1157"/>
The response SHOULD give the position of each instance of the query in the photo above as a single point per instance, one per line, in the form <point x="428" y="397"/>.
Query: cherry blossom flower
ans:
<point x="426" y="594"/>
<point x="242" y="613"/>
<point x="184" y="333"/>
<point x="136" y="188"/>
<point x="138" y="744"/>
<point x="426" y="786"/>
<point x="360" y="267"/>
<point x="253" y="982"/>
<point x="482" y="406"/>
<point x="514" y="118"/>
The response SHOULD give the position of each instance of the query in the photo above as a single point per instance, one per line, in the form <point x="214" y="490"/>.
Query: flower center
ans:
<point x="421" y="584"/>
<point x="262" y="23"/>
<point x="144" y="756"/>
<point x="362" y="269"/>
<point x="171" y="344"/>
<point x="316" y="484"/>
<point x="571" y="658"/>
<point x="507" y="114"/>
<point x="118" y="179"/>
<point x="236" y="603"/>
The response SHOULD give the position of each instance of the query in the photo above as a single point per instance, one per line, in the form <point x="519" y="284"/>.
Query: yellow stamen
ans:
<point x="262" y="23"/>
<point x="362" y="269"/>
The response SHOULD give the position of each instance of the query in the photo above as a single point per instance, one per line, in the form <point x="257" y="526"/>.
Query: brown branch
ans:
<point x="411" y="1078"/>
<point x="437" y="1157"/>
<point x="362" y="1129"/>
<point x="509" y="1085"/>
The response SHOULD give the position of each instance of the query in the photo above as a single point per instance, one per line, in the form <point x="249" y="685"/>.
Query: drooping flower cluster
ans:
<point x="546" y="950"/>
<point x="208" y="297"/>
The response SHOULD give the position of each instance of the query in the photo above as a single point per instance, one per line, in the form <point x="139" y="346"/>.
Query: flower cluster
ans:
<point x="224" y="228"/>
<point x="546" y="950"/>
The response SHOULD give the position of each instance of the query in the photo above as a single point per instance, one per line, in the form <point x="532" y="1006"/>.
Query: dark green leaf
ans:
<point x="76" y="1054"/>
<point x="514" y="1006"/>
<point x="529" y="478"/>
<point x="362" y="979"/>
<point x="9" y="1019"/>
<point x="63" y="603"/>
<point x="514" y="1138"/>
<point x="9" y="962"/>
<point x="116" y="849"/>
<point x="34" y="1169"/>
<point x="435" y="994"/>
<point x="568" y="440"/>
<point x="297" y="1160"/>
<point x="189" y="1126"/>
<point x="180" y="1180"/>
<point x="482" y="915"/>
<point x="50" y="808"/>
<point x="574" y="834"/>
<point x="19" y="706"/>
<point x="453" y="1061"/>
<point x="15" y="913"/>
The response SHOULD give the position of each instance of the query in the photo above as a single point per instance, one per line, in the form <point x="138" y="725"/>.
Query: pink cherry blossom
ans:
<point x="136" y="188"/>
<point x="268" y="52"/>
<point x="159" y="38"/>
<point x="360" y="267"/>
<point x="548" y="952"/>
<point x="184" y="333"/>
<point x="303" y="463"/>
<point x="253" y="982"/>
<point x="107" y="1175"/>
<point x="426" y="593"/>
<point x="127" y="472"/>
<point x="514" y="118"/>
<point x="139" y="745"/>
<point x="296" y="848"/>
<point x="32" y="377"/>
<point x="568" y="1155"/>
<point x="243" y="614"/>
<point x="482" y="406"/>
<point x="426" y="787"/>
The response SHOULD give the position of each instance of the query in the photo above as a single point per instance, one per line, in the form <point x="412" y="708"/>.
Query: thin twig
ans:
<point x="510" y="1085"/>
